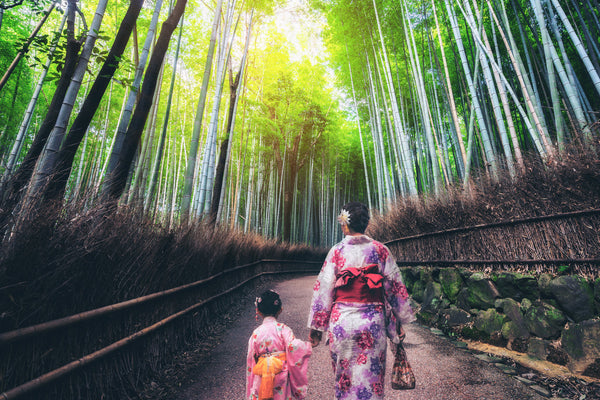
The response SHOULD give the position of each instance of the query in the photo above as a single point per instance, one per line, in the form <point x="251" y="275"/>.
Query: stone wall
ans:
<point x="554" y="318"/>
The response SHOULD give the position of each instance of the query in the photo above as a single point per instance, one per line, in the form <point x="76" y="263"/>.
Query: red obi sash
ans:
<point x="359" y="285"/>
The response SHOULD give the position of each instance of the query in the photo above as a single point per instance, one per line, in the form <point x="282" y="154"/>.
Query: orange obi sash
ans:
<point x="359" y="285"/>
<point x="268" y="365"/>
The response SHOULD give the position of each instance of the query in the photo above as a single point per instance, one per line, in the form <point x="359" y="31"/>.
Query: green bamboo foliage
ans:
<point x="425" y="94"/>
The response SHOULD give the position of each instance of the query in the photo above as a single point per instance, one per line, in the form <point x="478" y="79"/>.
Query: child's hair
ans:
<point x="268" y="303"/>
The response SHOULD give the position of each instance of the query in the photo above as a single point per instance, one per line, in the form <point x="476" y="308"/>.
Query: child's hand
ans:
<point x="315" y="337"/>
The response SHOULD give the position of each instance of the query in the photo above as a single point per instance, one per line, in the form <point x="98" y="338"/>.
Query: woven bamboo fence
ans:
<point x="110" y="352"/>
<point x="552" y="243"/>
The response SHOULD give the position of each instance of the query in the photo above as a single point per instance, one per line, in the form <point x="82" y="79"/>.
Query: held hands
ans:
<point x="315" y="337"/>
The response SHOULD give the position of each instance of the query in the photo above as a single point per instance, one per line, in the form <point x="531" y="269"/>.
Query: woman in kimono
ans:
<point x="277" y="362"/>
<point x="359" y="300"/>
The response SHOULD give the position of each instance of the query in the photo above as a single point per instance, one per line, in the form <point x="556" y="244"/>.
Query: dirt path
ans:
<point x="443" y="371"/>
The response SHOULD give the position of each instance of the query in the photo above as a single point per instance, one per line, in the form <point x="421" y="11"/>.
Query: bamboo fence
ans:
<point x="121" y="343"/>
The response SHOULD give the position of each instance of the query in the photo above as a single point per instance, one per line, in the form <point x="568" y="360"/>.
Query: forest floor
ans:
<point x="445" y="369"/>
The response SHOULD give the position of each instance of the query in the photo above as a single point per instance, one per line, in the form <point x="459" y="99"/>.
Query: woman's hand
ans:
<point x="315" y="337"/>
<point x="400" y="331"/>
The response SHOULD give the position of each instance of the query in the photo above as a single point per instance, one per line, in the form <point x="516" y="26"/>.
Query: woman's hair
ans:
<point x="359" y="216"/>
<point x="268" y="303"/>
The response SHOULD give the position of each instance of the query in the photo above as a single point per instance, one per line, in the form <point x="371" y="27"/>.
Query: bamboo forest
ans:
<point x="267" y="116"/>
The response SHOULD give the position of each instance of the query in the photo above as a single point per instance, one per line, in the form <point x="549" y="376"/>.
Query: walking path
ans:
<point x="443" y="371"/>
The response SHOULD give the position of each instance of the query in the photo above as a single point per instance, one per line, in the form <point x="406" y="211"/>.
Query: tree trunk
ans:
<point x="23" y="174"/>
<point x="161" y="141"/>
<point x="116" y="180"/>
<point x="190" y="171"/>
<point x="64" y="160"/>
<point x="135" y="90"/>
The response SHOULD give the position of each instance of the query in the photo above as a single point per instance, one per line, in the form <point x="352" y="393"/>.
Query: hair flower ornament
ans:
<point x="344" y="217"/>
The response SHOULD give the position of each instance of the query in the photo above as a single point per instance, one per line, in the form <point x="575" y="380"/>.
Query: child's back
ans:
<point x="277" y="362"/>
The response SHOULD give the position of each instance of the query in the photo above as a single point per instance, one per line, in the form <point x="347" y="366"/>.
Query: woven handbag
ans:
<point x="402" y="375"/>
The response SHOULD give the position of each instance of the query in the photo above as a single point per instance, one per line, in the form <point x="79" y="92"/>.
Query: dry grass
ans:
<point x="568" y="183"/>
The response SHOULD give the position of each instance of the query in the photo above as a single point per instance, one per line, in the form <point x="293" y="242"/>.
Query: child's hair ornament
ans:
<point x="344" y="217"/>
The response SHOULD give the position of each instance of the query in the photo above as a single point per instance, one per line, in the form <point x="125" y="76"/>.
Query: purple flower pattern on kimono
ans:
<point x="270" y="337"/>
<point x="357" y="332"/>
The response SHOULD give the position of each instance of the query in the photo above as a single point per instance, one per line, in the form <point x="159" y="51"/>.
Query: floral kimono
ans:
<point x="277" y="339"/>
<point x="359" y="317"/>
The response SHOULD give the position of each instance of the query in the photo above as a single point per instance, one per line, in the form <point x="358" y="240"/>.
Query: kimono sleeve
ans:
<point x="250" y="363"/>
<point x="396" y="294"/>
<point x="297" y="353"/>
<point x="322" y="299"/>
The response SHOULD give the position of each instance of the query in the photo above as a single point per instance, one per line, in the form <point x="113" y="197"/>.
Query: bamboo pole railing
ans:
<point x="49" y="377"/>
<point x="566" y="261"/>
<point x="477" y="227"/>
<point x="46" y="327"/>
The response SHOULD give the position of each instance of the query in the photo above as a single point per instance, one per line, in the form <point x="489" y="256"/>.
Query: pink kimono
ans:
<point x="275" y="337"/>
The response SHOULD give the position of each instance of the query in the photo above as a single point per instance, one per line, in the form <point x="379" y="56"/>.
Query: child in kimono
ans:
<point x="277" y="362"/>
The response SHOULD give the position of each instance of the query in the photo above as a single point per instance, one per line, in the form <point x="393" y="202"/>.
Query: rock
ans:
<point x="544" y="321"/>
<point x="409" y="277"/>
<point x="541" y="390"/>
<point x="544" y="285"/>
<point x="582" y="344"/>
<point x="526" y="305"/>
<point x="489" y="321"/>
<point x="574" y="295"/>
<point x="481" y="292"/>
<point x="454" y="317"/>
<point x="538" y="348"/>
<point x="425" y="317"/>
<point x="511" y="331"/>
<point x="487" y="358"/>
<point x="462" y="299"/>
<point x="524" y="380"/>
<point x="425" y="274"/>
<point x="451" y="282"/>
<point x="517" y="286"/>
<point x="432" y="297"/>
<point x="418" y="291"/>
<point x="511" y="309"/>
<point x="597" y="295"/>
<point x="507" y="369"/>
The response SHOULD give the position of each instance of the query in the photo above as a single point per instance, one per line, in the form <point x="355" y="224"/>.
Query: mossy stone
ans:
<point x="597" y="295"/>
<point x="581" y="342"/>
<point x="409" y="277"/>
<point x="454" y="316"/>
<point x="544" y="321"/>
<point x="425" y="274"/>
<point x="481" y="293"/>
<point x="418" y="292"/>
<point x="544" y="285"/>
<point x="511" y="331"/>
<point x="517" y="286"/>
<point x="538" y="348"/>
<point x="525" y="305"/>
<point x="489" y="321"/>
<point x="432" y="297"/>
<point x="512" y="310"/>
<point x="451" y="282"/>
<point x="425" y="317"/>
<point x="574" y="295"/>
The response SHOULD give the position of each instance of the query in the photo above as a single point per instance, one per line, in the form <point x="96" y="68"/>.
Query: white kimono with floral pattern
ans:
<point x="357" y="332"/>
<point x="271" y="337"/>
